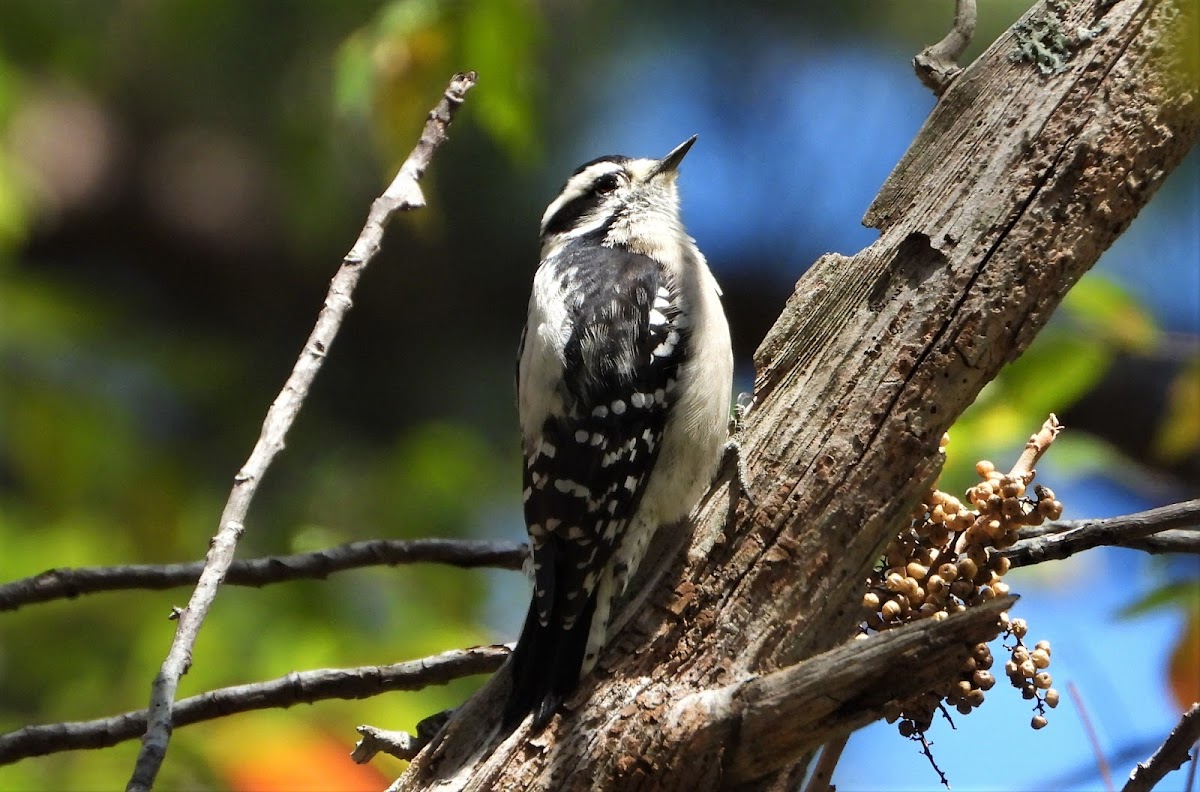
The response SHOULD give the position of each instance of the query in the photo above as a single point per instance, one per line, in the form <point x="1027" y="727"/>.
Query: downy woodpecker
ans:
<point x="624" y="378"/>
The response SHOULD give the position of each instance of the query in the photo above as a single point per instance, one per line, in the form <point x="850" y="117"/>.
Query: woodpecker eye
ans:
<point x="606" y="183"/>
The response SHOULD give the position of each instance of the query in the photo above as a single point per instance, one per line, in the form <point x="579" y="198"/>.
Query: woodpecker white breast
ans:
<point x="623" y="378"/>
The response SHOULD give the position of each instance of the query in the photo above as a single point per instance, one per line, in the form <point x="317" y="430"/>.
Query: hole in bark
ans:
<point x="915" y="261"/>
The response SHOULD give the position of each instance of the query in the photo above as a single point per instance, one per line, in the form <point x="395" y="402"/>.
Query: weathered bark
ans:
<point x="1015" y="185"/>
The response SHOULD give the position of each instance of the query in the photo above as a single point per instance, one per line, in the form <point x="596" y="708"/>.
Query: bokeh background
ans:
<point x="178" y="181"/>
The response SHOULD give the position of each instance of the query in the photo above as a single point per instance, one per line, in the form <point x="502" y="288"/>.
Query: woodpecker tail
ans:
<point x="546" y="664"/>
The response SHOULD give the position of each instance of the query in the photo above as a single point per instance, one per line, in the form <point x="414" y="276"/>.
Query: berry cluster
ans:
<point x="1027" y="672"/>
<point x="947" y="560"/>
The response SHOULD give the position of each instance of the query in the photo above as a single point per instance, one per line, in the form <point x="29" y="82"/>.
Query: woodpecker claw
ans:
<point x="733" y="463"/>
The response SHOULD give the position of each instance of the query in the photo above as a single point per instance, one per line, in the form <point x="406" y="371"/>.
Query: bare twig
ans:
<point x="1101" y="762"/>
<point x="937" y="65"/>
<point x="399" y="744"/>
<point x="1059" y="540"/>
<point x="303" y="687"/>
<point x="822" y="777"/>
<point x="926" y="750"/>
<point x="70" y="583"/>
<point x="1037" y="444"/>
<point x="403" y="193"/>
<point x="1170" y="755"/>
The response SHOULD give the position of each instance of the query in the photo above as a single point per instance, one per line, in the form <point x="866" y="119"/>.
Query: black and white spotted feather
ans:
<point x="585" y="478"/>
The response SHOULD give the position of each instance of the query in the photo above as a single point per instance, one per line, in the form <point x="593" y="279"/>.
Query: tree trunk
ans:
<point x="1015" y="185"/>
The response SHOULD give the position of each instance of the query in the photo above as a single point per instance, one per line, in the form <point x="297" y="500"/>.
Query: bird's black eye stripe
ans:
<point x="606" y="183"/>
<point x="569" y="214"/>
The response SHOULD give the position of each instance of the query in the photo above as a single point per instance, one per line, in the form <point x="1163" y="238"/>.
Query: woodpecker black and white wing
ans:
<point x="592" y="446"/>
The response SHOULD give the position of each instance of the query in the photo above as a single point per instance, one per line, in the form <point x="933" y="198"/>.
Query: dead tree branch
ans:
<point x="1059" y="540"/>
<point x="781" y="716"/>
<point x="302" y="687"/>
<point x="70" y="583"/>
<point x="404" y="193"/>
<point x="401" y="745"/>
<point x="1170" y="756"/>
<point x="937" y="64"/>
<point x="1176" y="541"/>
<point x="1012" y="190"/>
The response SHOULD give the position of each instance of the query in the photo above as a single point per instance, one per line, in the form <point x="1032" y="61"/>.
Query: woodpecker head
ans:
<point x="617" y="201"/>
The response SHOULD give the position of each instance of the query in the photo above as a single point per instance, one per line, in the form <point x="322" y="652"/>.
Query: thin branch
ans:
<point x="1170" y="755"/>
<point x="1059" y="540"/>
<point x="303" y="687"/>
<point x="399" y="744"/>
<point x="403" y="193"/>
<point x="1090" y="731"/>
<point x="1037" y="444"/>
<point x="70" y="583"/>
<point x="927" y="752"/>
<point x="937" y="65"/>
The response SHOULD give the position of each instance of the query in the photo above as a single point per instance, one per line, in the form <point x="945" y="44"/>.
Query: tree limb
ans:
<point x="1174" y="541"/>
<point x="1147" y="531"/>
<point x="69" y="583"/>
<point x="1015" y="185"/>
<point x="781" y="716"/>
<point x="1170" y="756"/>
<point x="404" y="193"/>
<point x="1059" y="540"/>
<point x="303" y="687"/>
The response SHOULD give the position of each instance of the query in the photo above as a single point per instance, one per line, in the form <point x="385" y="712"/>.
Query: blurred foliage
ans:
<point x="1178" y="436"/>
<point x="177" y="182"/>
<point x="383" y="68"/>
<point x="121" y="425"/>
<point x="1097" y="321"/>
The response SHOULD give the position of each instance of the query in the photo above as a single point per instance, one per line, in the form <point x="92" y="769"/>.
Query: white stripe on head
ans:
<point x="578" y="186"/>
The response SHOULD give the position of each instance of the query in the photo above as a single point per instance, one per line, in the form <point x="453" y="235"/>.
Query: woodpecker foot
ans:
<point x="733" y="463"/>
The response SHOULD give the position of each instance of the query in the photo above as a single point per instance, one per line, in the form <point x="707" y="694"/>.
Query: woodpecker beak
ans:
<point x="670" y="163"/>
